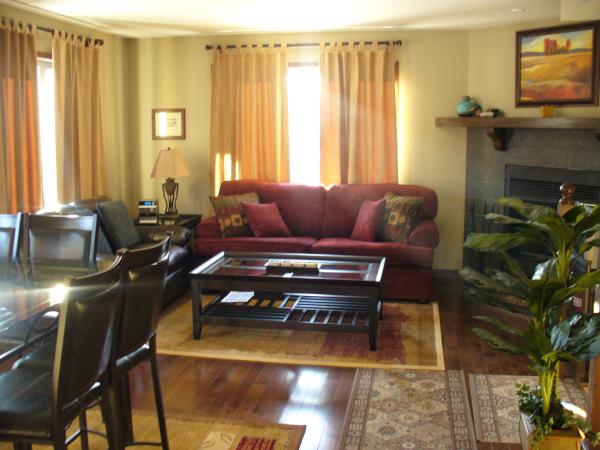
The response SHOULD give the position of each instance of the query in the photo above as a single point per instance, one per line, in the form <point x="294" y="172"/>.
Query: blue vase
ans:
<point x="467" y="107"/>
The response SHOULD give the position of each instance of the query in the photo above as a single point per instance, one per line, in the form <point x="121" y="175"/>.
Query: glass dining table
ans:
<point x="30" y="294"/>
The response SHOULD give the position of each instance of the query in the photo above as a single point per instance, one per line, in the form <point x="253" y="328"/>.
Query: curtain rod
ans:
<point x="303" y="44"/>
<point x="87" y="39"/>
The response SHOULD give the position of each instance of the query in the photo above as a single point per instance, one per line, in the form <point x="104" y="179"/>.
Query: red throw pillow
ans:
<point x="265" y="220"/>
<point x="367" y="222"/>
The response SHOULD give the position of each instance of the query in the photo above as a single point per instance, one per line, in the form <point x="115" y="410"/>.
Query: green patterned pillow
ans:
<point x="232" y="219"/>
<point x="399" y="217"/>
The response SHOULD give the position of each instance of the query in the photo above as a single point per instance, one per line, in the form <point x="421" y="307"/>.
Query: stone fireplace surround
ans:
<point x="575" y="150"/>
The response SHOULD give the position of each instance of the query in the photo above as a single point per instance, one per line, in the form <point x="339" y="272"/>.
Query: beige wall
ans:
<point x="113" y="93"/>
<point x="175" y="73"/>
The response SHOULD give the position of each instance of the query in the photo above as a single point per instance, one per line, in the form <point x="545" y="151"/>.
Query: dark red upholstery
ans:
<point x="324" y="219"/>
<point x="265" y="220"/>
<point x="344" y="202"/>
<point x="210" y="247"/>
<point x="368" y="220"/>
<point x="395" y="253"/>
<point x="300" y="206"/>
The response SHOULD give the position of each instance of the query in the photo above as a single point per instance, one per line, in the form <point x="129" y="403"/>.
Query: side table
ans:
<point x="188" y="221"/>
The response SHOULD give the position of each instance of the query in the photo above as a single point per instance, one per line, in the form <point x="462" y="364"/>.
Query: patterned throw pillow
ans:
<point x="399" y="217"/>
<point x="230" y="213"/>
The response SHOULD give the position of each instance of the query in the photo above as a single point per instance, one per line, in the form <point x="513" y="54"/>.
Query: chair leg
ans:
<point x="124" y="399"/>
<point x="21" y="446"/>
<point x="59" y="439"/>
<point x="85" y="443"/>
<point x="112" y="414"/>
<point x="160" y="411"/>
<point x="108" y="419"/>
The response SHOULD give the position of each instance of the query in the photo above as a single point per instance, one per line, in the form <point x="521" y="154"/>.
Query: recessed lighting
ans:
<point x="517" y="10"/>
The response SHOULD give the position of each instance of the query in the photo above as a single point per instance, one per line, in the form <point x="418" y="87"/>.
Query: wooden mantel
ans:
<point x="495" y="127"/>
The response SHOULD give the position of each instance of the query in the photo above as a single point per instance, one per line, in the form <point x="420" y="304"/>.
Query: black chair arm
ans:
<point x="156" y="233"/>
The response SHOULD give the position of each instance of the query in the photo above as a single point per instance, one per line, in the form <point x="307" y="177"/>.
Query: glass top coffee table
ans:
<point x="290" y="290"/>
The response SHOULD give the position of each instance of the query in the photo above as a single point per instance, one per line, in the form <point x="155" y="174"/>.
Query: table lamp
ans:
<point x="169" y="164"/>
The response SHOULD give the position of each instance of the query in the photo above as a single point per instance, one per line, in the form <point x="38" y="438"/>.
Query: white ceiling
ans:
<point x="152" y="18"/>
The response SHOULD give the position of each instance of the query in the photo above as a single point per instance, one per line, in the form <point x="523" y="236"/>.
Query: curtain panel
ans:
<point x="79" y="145"/>
<point x="249" y="121"/>
<point x="358" y="115"/>
<point x="20" y="170"/>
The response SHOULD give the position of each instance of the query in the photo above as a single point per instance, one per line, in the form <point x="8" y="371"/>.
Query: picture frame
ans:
<point x="168" y="123"/>
<point x="558" y="66"/>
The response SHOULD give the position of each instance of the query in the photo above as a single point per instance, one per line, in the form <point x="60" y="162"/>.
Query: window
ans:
<point x="46" y="110"/>
<point x="304" y="89"/>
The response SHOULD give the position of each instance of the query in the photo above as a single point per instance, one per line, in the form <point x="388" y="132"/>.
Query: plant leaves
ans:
<point x="500" y="325"/>
<point x="490" y="242"/>
<point x="559" y="335"/>
<point x="497" y="342"/>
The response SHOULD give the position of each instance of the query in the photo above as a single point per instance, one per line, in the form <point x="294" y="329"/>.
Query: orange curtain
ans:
<point x="249" y="123"/>
<point x="20" y="171"/>
<point x="358" y="115"/>
<point x="79" y="146"/>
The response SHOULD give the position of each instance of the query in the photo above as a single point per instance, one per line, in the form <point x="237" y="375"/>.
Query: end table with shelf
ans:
<point x="188" y="221"/>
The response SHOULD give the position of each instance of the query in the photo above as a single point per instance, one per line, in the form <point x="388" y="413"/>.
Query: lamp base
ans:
<point x="170" y="192"/>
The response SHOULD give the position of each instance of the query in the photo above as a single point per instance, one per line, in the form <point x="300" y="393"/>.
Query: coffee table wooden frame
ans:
<point x="345" y="305"/>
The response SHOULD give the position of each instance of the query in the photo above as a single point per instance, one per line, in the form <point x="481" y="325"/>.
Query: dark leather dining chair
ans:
<point x="63" y="240"/>
<point x="144" y="274"/>
<point x="10" y="236"/>
<point x="37" y="405"/>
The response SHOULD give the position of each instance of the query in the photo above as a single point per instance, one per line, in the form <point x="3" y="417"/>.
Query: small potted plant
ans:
<point x="553" y="333"/>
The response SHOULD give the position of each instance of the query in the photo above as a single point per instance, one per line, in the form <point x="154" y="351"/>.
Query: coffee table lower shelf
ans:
<point x="316" y="312"/>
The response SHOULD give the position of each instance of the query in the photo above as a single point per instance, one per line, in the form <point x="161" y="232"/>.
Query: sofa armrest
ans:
<point x="208" y="228"/>
<point x="425" y="234"/>
<point x="156" y="233"/>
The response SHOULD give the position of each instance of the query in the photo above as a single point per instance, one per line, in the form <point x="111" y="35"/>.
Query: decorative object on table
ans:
<point x="552" y="334"/>
<point x="279" y="266"/>
<point x="148" y="212"/>
<point x="169" y="164"/>
<point x="547" y="111"/>
<point x="497" y="112"/>
<point x="467" y="107"/>
<point x="168" y="123"/>
<point x="558" y="65"/>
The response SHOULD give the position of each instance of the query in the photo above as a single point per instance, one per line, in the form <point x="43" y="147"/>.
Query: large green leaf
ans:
<point x="497" y="342"/>
<point x="496" y="301"/>
<point x="484" y="282"/>
<point x="491" y="242"/>
<point x="500" y="325"/>
<point x="559" y="335"/>
<point x="504" y="220"/>
<point x="514" y="268"/>
<point x="588" y="221"/>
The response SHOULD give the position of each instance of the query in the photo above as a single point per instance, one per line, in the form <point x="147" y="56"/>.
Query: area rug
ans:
<point x="496" y="409"/>
<point x="409" y="337"/>
<point x="392" y="409"/>
<point x="199" y="433"/>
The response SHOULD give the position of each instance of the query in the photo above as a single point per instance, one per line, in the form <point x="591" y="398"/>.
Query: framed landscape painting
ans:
<point x="558" y="66"/>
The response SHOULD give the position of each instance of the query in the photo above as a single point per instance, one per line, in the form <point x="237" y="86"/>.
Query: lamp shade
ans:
<point x="170" y="164"/>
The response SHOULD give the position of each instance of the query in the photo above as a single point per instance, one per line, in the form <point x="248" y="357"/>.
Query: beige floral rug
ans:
<point x="409" y="337"/>
<point x="392" y="409"/>
<point x="496" y="409"/>
<point x="195" y="433"/>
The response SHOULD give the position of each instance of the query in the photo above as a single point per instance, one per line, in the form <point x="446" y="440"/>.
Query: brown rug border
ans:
<point x="364" y="378"/>
<point x="439" y="350"/>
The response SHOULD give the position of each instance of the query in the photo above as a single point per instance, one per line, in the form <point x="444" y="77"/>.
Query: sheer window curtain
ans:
<point x="20" y="171"/>
<point x="358" y="115"/>
<point x="79" y="145"/>
<point x="249" y="131"/>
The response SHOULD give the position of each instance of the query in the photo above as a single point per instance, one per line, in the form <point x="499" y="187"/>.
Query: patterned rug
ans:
<point x="409" y="337"/>
<point x="195" y="433"/>
<point x="392" y="409"/>
<point x="496" y="409"/>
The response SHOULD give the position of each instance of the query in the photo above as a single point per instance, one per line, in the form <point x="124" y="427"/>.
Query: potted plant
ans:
<point x="553" y="333"/>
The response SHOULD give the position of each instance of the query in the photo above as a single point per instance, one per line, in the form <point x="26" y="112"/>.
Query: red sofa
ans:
<point x="321" y="221"/>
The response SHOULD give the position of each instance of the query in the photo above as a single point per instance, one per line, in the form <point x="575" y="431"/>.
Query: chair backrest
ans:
<point x="60" y="239"/>
<point x="10" y="236"/>
<point x="86" y="327"/>
<point x="144" y="273"/>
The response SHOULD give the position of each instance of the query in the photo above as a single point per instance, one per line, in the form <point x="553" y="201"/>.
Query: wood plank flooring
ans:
<point x="314" y="396"/>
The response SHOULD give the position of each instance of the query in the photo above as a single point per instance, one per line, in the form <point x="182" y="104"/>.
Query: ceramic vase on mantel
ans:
<point x="467" y="107"/>
<point x="555" y="440"/>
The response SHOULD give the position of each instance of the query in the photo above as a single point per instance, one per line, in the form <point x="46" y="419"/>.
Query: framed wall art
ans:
<point x="168" y="123"/>
<point x="558" y="66"/>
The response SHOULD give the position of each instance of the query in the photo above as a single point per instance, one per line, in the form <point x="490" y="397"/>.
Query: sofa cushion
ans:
<point x="369" y="218"/>
<point x="210" y="247"/>
<point x="395" y="253"/>
<point x="399" y="217"/>
<point x="344" y="202"/>
<point x="118" y="226"/>
<point x="230" y="213"/>
<point x="301" y="207"/>
<point x="265" y="220"/>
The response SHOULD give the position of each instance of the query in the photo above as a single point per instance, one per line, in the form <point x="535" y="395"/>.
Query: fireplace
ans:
<point x="533" y="168"/>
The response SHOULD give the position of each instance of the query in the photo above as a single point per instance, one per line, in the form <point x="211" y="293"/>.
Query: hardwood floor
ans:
<point x="314" y="396"/>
